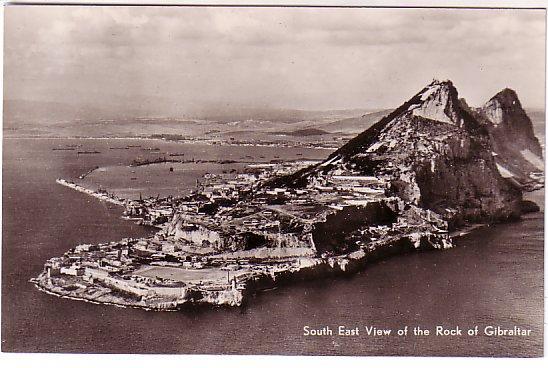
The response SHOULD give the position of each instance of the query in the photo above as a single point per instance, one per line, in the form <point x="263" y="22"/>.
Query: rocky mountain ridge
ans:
<point x="517" y="150"/>
<point x="436" y="153"/>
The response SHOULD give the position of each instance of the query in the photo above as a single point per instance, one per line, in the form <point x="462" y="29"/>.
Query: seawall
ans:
<point x="101" y="196"/>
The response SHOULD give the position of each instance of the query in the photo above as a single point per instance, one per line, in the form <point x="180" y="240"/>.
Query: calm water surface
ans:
<point x="494" y="277"/>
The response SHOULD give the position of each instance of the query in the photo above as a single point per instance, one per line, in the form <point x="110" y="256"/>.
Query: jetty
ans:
<point x="99" y="194"/>
<point x="159" y="160"/>
<point x="87" y="152"/>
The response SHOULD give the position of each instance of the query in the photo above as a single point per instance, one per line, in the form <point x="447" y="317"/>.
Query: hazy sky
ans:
<point x="307" y="58"/>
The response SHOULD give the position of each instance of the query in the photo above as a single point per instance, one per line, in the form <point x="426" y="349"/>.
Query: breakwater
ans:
<point x="101" y="195"/>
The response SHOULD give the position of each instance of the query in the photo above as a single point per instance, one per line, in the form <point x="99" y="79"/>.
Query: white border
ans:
<point x="222" y="361"/>
<point x="332" y="3"/>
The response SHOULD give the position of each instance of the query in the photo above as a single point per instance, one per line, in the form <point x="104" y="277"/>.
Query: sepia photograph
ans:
<point x="273" y="180"/>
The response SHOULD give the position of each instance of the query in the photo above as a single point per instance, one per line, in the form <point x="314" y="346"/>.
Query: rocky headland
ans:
<point x="432" y="166"/>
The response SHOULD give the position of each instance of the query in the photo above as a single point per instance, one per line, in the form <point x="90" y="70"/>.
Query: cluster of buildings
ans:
<point x="242" y="223"/>
<point x="241" y="213"/>
<point x="150" y="211"/>
<point x="330" y="142"/>
<point x="90" y="260"/>
<point x="92" y="271"/>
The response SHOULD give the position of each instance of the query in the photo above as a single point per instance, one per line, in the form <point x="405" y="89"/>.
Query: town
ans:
<point x="235" y="233"/>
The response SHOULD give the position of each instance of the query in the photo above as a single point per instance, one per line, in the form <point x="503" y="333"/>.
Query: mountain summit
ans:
<point x="434" y="152"/>
<point x="437" y="102"/>
<point x="506" y="114"/>
<point x="518" y="151"/>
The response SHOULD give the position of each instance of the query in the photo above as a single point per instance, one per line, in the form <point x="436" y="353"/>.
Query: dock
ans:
<point x="101" y="195"/>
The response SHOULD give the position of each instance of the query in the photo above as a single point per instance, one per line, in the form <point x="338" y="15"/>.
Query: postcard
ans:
<point x="273" y="180"/>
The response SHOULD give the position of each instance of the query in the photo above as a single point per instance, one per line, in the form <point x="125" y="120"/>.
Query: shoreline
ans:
<point x="222" y="143"/>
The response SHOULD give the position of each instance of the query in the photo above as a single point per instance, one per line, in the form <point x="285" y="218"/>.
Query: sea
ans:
<point x="494" y="277"/>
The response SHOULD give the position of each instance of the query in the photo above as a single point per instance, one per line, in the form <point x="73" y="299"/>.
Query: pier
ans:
<point x="101" y="195"/>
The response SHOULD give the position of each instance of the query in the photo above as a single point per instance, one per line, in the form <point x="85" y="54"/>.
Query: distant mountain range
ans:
<point x="279" y="115"/>
<point x="35" y="118"/>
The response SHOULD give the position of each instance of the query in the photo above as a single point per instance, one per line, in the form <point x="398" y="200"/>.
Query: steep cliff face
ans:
<point x="518" y="152"/>
<point x="510" y="121"/>
<point x="434" y="153"/>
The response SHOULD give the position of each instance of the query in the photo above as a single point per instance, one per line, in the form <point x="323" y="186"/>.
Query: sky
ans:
<point x="185" y="59"/>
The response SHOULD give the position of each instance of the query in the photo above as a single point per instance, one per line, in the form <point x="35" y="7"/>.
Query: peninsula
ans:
<point x="429" y="168"/>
